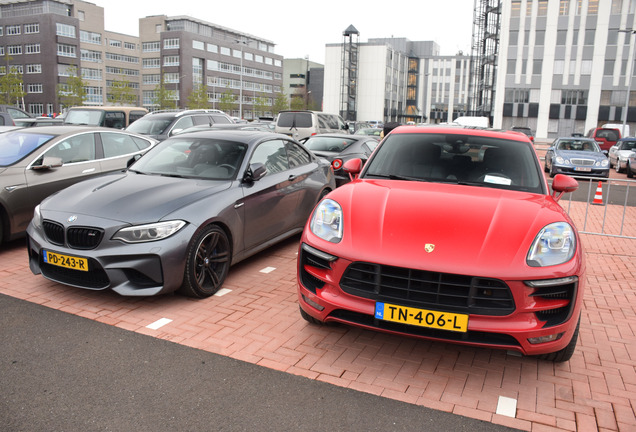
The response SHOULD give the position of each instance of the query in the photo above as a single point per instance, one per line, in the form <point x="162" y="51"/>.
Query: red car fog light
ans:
<point x="312" y="303"/>
<point x="336" y="164"/>
<point x="544" y="339"/>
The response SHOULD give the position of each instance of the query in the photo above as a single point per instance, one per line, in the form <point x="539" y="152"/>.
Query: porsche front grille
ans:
<point x="426" y="289"/>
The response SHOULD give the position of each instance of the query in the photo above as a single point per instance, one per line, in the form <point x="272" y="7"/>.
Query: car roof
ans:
<point x="65" y="129"/>
<point x="245" y="136"/>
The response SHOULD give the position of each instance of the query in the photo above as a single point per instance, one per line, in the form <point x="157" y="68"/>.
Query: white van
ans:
<point x="619" y="126"/>
<point x="304" y="123"/>
<point x="480" y="122"/>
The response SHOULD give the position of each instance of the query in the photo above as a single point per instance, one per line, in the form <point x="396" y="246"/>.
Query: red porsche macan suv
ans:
<point x="448" y="234"/>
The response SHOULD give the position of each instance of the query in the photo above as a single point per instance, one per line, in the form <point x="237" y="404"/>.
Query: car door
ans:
<point x="270" y="203"/>
<point x="613" y="153"/>
<point x="78" y="156"/>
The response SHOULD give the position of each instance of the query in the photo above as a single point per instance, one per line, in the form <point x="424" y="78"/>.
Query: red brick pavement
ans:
<point x="257" y="321"/>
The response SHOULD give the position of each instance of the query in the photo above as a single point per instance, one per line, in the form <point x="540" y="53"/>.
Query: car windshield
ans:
<point x="84" y="117"/>
<point x="578" y="145"/>
<point x="628" y="145"/>
<point x="16" y="145"/>
<point x="150" y="126"/>
<point x="293" y="119"/>
<point x="328" y="144"/>
<point x="190" y="157"/>
<point x="456" y="158"/>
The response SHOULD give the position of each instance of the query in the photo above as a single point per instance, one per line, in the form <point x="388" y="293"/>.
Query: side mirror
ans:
<point x="48" y="162"/>
<point x="563" y="184"/>
<point x="255" y="172"/>
<point x="353" y="168"/>
<point x="132" y="160"/>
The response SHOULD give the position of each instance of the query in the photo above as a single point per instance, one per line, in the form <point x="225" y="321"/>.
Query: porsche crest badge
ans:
<point x="429" y="247"/>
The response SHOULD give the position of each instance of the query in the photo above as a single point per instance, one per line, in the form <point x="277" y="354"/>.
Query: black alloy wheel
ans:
<point x="207" y="264"/>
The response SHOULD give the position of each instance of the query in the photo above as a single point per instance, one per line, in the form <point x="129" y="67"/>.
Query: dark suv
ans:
<point x="524" y="130"/>
<point x="161" y="125"/>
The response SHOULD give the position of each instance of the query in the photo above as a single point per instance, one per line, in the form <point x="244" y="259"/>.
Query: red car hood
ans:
<point x="472" y="230"/>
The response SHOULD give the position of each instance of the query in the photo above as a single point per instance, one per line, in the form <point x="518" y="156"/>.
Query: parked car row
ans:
<point x="409" y="236"/>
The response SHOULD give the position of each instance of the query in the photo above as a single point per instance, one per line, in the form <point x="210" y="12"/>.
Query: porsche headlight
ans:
<point x="326" y="222"/>
<point x="555" y="244"/>
<point x="149" y="232"/>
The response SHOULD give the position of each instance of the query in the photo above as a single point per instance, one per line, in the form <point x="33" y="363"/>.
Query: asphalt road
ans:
<point x="61" y="372"/>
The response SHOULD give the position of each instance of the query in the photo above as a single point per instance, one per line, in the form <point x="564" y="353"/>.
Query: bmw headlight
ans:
<point x="149" y="232"/>
<point x="326" y="222"/>
<point x="555" y="244"/>
<point x="37" y="217"/>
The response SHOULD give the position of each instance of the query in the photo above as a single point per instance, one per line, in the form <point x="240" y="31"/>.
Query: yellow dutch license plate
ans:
<point x="66" y="261"/>
<point x="421" y="317"/>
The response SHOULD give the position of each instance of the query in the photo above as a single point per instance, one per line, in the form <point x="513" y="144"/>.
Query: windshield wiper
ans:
<point x="398" y="177"/>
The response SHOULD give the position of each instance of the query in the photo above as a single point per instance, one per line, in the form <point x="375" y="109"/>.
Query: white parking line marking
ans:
<point x="268" y="269"/>
<point x="507" y="406"/>
<point x="159" y="323"/>
<point x="222" y="292"/>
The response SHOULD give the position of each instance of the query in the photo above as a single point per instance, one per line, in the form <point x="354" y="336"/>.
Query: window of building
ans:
<point x="539" y="37"/>
<point x="226" y="51"/>
<point x="269" y="61"/>
<point x="13" y="30"/>
<point x="574" y="97"/>
<point x="151" y="46"/>
<point x="37" y="109"/>
<point x="1" y="30"/>
<point x="586" y="67"/>
<point x="612" y="36"/>
<point x="90" y="37"/>
<point x="589" y="37"/>
<point x="592" y="7"/>
<point x="31" y="28"/>
<point x="151" y="79"/>
<point x="14" y="49"/>
<point x="564" y="7"/>
<point x="158" y="28"/>
<point x="258" y="58"/>
<point x="114" y="43"/>
<point x="212" y="48"/>
<point x="249" y="56"/>
<point x="33" y="68"/>
<point x="130" y="46"/>
<point x="150" y="63"/>
<point x="32" y="48"/>
<point x="171" y="60"/>
<point x="561" y="37"/>
<point x="528" y="7"/>
<point x="542" y="10"/>
<point x="65" y="30"/>
<point x="197" y="70"/>
<point x="609" y="67"/>
<point x="511" y="66"/>
<point x="94" y="95"/>
<point x="198" y="45"/>
<point x="34" y="88"/>
<point x="81" y="15"/>
<point x="171" y="78"/>
<point x="91" y="56"/>
<point x="171" y="43"/>
<point x="92" y="74"/>
<point x="559" y="67"/>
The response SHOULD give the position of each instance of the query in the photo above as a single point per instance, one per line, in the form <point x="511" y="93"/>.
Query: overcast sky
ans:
<point x="303" y="28"/>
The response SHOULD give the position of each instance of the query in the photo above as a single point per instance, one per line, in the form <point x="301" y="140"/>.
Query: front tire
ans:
<point x="617" y="166"/>
<point x="207" y="264"/>
<point x="628" y="170"/>
<point x="566" y="353"/>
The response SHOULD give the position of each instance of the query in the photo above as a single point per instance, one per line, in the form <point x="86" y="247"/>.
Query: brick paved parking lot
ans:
<point x="255" y="319"/>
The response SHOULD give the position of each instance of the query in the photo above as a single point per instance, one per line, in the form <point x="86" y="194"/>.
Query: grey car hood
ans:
<point x="569" y="154"/>
<point x="132" y="198"/>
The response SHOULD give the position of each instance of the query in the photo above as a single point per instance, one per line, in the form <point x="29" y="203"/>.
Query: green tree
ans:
<point x="11" y="84"/>
<point x="227" y="102"/>
<point x="260" y="106"/>
<point x="280" y="103"/>
<point x="298" y="101"/>
<point x="198" y="98"/>
<point x="73" y="91"/>
<point x="163" y="98"/>
<point x="120" y="92"/>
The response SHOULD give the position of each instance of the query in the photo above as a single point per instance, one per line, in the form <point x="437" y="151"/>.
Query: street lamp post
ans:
<point x="241" y="42"/>
<point x="629" y="80"/>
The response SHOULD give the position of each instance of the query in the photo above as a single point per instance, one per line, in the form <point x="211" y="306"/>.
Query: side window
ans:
<point x="272" y="154"/>
<point x="141" y="143"/>
<point x="201" y="120"/>
<point x="220" y="119"/>
<point x="2" y="120"/>
<point x="79" y="148"/>
<point x="183" y="123"/>
<point x="117" y="144"/>
<point x="135" y="115"/>
<point x="16" y="113"/>
<point x="297" y="155"/>
<point x="115" y="120"/>
<point x="322" y="122"/>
